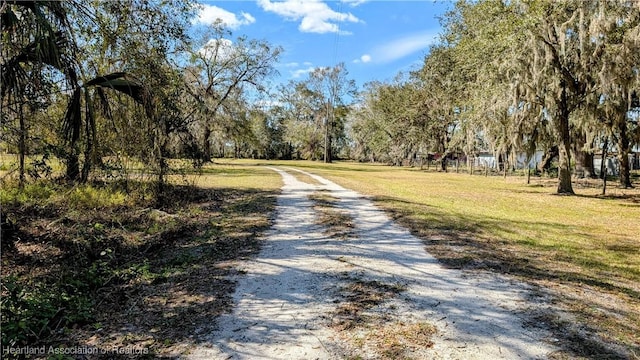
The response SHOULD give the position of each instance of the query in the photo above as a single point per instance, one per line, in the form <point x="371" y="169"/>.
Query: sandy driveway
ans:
<point x="285" y="298"/>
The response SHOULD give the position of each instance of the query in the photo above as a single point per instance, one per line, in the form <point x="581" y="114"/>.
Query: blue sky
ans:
<point x="375" y="39"/>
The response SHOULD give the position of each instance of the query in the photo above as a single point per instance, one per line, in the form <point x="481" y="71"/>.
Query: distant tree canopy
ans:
<point x="514" y="77"/>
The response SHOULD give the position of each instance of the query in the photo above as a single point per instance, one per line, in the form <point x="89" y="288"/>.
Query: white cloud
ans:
<point x="363" y="59"/>
<point x="354" y="3"/>
<point x="291" y="64"/>
<point x="300" y="72"/>
<point x="315" y="16"/>
<point x="407" y="45"/>
<point x="209" y="14"/>
<point x="218" y="49"/>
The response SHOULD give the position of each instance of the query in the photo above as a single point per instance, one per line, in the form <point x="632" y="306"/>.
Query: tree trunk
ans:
<point x="603" y="166"/>
<point x="206" y="145"/>
<point x="623" y="156"/>
<point x="160" y="143"/>
<point x="73" y="167"/>
<point x="22" y="146"/>
<point x="548" y="157"/>
<point x="443" y="150"/>
<point x="564" y="171"/>
<point x="505" y="166"/>
<point x="564" y="145"/>
<point x="73" y="158"/>
<point x="587" y="165"/>
<point x="90" y="136"/>
<point x="584" y="159"/>
<point x="327" y="141"/>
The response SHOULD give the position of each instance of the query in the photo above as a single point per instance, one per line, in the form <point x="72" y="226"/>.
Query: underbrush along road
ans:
<point x="286" y="298"/>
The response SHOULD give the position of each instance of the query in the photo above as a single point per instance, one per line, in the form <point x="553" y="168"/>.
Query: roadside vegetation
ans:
<point x="98" y="266"/>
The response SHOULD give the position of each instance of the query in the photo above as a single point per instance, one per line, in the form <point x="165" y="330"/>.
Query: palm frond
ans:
<point x="44" y="50"/>
<point x="73" y="117"/>
<point x="9" y="19"/>
<point x="118" y="81"/>
<point x="55" y="8"/>
<point x="45" y="43"/>
<point x="105" y="108"/>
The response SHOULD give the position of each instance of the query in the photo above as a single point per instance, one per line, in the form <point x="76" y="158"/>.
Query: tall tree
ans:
<point x="334" y="89"/>
<point x="301" y="111"/>
<point x="483" y="38"/>
<point x="221" y="68"/>
<point x="114" y="40"/>
<point x="557" y="68"/>
<point x="616" y="29"/>
<point x="138" y="39"/>
<point x="441" y="103"/>
<point x="544" y="63"/>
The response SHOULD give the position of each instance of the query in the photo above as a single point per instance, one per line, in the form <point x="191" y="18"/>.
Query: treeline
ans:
<point x="516" y="77"/>
<point x="99" y="84"/>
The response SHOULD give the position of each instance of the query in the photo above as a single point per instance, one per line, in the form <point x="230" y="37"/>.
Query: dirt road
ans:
<point x="286" y="298"/>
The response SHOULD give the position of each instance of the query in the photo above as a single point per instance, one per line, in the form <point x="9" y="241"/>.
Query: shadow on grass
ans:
<point x="131" y="282"/>
<point x="464" y="242"/>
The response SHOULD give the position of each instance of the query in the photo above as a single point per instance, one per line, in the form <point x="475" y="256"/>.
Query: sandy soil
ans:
<point x="286" y="296"/>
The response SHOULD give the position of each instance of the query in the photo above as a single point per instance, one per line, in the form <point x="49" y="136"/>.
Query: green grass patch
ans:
<point x="243" y="176"/>
<point x="90" y="197"/>
<point x="38" y="192"/>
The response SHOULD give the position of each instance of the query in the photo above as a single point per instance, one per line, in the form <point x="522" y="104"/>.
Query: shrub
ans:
<point x="89" y="197"/>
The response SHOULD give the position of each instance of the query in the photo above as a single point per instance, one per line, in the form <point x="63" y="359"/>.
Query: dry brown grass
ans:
<point x="305" y="178"/>
<point x="337" y="223"/>
<point x="363" y="318"/>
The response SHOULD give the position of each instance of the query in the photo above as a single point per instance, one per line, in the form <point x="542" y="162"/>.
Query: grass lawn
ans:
<point x="583" y="251"/>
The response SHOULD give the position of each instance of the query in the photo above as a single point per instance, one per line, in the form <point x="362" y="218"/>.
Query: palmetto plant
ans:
<point x="34" y="38"/>
<point x="37" y="36"/>
<point x="93" y="91"/>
